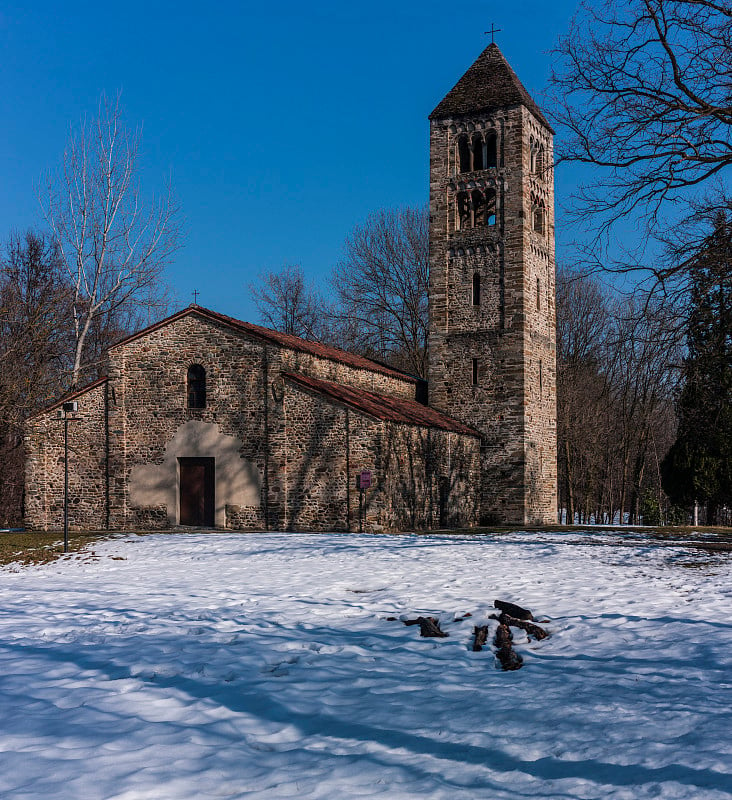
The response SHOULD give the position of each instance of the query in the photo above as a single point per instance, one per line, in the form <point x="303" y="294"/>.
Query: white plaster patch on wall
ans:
<point x="238" y="481"/>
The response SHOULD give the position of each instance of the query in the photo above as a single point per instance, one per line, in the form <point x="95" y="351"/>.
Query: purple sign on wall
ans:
<point x="363" y="480"/>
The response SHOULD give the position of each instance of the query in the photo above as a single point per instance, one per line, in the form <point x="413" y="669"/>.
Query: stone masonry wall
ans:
<point x="146" y="399"/>
<point x="540" y="332"/>
<point x="88" y="487"/>
<point x="431" y="478"/>
<point x="422" y="477"/>
<point x="148" y="377"/>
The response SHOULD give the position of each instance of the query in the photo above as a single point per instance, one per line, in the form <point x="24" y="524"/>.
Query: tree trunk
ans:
<point x="570" y="492"/>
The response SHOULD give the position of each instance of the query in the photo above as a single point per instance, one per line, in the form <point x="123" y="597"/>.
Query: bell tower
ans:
<point x="492" y="338"/>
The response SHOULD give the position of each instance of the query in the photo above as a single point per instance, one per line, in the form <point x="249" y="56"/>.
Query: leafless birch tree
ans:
<point x="113" y="242"/>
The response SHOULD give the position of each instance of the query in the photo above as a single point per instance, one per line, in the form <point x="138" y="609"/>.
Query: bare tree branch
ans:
<point x="286" y="303"/>
<point x="115" y="245"/>
<point x="381" y="288"/>
<point x="642" y="92"/>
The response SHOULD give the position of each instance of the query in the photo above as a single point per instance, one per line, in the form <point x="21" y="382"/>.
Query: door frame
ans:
<point x="209" y="489"/>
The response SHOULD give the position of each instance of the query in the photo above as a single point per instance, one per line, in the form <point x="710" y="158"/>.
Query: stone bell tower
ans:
<point x="492" y="338"/>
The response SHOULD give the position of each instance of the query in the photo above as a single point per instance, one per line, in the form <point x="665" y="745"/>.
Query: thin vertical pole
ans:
<point x="66" y="483"/>
<point x="360" y="510"/>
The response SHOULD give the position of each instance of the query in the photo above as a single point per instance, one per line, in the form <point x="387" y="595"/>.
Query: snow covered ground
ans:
<point x="263" y="666"/>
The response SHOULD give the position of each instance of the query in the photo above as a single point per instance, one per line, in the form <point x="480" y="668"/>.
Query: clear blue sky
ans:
<point x="283" y="125"/>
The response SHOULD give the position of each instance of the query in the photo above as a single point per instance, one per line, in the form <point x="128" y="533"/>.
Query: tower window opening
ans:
<point x="462" y="220"/>
<point x="538" y="295"/>
<point x="490" y="207"/>
<point x="463" y="154"/>
<point x="477" y="202"/>
<point x="491" y="150"/>
<point x="196" y="381"/>
<point x="541" y="377"/>
<point x="475" y="372"/>
<point x="477" y="149"/>
<point x="533" y="156"/>
<point x="476" y="289"/>
<point x="476" y="209"/>
<point x="538" y="214"/>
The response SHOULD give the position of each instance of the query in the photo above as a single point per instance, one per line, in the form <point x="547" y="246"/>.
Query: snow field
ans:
<point x="262" y="666"/>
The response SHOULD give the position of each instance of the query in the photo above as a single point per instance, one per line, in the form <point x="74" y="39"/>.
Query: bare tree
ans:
<point x="34" y="349"/>
<point x="583" y="323"/>
<point x="642" y="362"/>
<point x="287" y="303"/>
<point x="381" y="288"/>
<point x="114" y="244"/>
<point x="616" y="374"/>
<point x="641" y="90"/>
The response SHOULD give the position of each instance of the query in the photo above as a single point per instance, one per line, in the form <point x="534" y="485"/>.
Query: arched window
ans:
<point x="476" y="289"/>
<point x="490" y="207"/>
<point x="477" y="151"/>
<point x="540" y="160"/>
<point x="538" y="214"/>
<point x="196" y="386"/>
<point x="491" y="150"/>
<point x="463" y="154"/>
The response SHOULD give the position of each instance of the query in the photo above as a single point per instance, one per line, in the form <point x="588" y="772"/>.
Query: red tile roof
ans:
<point x="283" y="339"/>
<point x="392" y="409"/>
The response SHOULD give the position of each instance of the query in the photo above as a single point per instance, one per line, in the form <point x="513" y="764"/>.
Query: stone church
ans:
<point x="205" y="420"/>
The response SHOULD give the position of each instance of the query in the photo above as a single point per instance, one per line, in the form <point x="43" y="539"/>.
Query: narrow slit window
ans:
<point x="475" y="372"/>
<point x="541" y="377"/>
<point x="196" y="386"/>
<point x="538" y="295"/>
<point x="476" y="289"/>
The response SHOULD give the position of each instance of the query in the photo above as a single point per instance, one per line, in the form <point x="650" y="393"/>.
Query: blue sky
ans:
<point x="282" y="125"/>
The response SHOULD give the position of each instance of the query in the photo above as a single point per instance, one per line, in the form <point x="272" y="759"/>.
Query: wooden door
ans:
<point x="197" y="491"/>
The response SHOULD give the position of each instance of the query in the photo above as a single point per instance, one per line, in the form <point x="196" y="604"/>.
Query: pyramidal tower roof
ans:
<point x="490" y="83"/>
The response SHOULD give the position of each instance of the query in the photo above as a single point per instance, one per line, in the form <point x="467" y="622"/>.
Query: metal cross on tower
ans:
<point x="492" y="32"/>
<point x="195" y="297"/>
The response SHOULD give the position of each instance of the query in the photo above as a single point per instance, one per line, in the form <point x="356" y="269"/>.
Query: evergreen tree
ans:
<point x="699" y="465"/>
